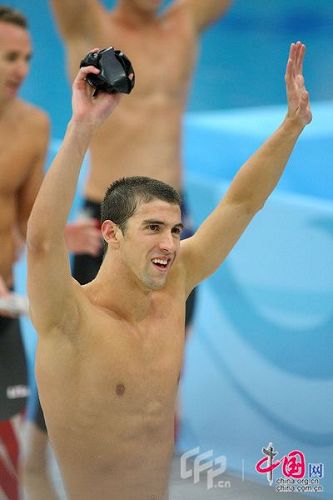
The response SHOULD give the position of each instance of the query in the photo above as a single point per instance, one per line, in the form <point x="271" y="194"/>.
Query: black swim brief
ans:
<point x="13" y="369"/>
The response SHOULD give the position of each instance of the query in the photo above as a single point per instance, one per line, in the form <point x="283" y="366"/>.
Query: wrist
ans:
<point x="81" y="128"/>
<point x="81" y="132"/>
<point x="292" y="126"/>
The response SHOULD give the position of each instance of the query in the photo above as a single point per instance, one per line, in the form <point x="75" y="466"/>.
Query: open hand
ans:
<point x="297" y="95"/>
<point x="4" y="296"/>
<point x="84" y="237"/>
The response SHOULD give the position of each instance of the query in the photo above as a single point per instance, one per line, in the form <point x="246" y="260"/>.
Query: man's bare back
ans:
<point x="145" y="135"/>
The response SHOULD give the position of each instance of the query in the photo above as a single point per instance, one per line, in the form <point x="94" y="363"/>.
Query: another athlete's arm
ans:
<point x="78" y="19"/>
<point x="254" y="182"/>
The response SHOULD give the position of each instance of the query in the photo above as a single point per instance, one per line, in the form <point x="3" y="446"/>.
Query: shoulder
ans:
<point x="26" y="126"/>
<point x="32" y="114"/>
<point x="35" y="121"/>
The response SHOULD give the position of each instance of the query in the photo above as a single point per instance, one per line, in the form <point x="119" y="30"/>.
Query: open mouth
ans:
<point x="161" y="263"/>
<point x="13" y="86"/>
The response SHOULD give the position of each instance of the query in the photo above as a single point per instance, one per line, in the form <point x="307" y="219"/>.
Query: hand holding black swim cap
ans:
<point x="116" y="72"/>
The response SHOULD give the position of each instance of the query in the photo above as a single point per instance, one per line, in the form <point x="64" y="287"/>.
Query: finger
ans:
<point x="3" y="289"/>
<point x="7" y="314"/>
<point x="297" y="47"/>
<point x="290" y="64"/>
<point x="296" y="55"/>
<point x="301" y="59"/>
<point x="93" y="223"/>
<point x="83" y="72"/>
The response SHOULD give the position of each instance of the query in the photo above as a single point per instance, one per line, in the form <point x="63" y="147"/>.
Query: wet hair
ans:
<point x="123" y="196"/>
<point x="13" y="16"/>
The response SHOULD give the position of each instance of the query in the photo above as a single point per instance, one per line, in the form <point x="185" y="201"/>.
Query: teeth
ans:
<point x="160" y="261"/>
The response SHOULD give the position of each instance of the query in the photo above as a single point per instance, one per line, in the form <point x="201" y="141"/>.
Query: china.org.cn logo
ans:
<point x="294" y="467"/>
<point x="203" y="462"/>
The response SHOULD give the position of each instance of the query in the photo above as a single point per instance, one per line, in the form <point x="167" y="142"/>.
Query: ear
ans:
<point x="111" y="233"/>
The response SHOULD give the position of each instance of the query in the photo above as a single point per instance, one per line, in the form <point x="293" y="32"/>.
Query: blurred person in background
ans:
<point x="24" y="137"/>
<point x="144" y="135"/>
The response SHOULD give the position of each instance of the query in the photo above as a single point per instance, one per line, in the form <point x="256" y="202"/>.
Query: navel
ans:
<point x="120" y="389"/>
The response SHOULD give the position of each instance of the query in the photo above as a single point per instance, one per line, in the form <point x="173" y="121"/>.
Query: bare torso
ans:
<point x="108" y="393"/>
<point x="22" y="131"/>
<point x="144" y="135"/>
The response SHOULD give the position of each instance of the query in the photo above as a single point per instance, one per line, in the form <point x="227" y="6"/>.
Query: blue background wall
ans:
<point x="259" y="361"/>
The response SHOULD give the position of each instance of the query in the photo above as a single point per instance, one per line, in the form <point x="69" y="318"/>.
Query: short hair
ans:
<point x="123" y="196"/>
<point x="13" y="16"/>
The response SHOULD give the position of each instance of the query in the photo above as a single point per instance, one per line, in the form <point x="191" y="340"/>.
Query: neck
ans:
<point x="131" y="14"/>
<point x="5" y="105"/>
<point x="123" y="295"/>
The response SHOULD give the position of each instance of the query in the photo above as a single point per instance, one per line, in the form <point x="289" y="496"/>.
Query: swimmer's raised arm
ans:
<point x="254" y="182"/>
<point x="52" y="291"/>
<point x="205" y="12"/>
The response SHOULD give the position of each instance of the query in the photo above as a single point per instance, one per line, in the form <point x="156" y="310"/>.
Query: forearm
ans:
<point x="258" y="177"/>
<point x="54" y="200"/>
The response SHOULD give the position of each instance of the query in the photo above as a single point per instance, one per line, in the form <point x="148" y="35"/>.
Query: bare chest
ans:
<point x="162" y="55"/>
<point x="163" y="62"/>
<point x="16" y="159"/>
<point x="131" y="373"/>
<point x="140" y="367"/>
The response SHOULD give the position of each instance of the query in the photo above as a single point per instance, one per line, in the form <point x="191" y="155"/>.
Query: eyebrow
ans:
<point x="180" y="225"/>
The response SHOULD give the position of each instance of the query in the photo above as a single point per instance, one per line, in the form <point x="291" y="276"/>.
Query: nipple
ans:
<point x="120" y="389"/>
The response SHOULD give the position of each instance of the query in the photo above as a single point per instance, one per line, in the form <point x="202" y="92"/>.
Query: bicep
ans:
<point x="53" y="293"/>
<point x="77" y="18"/>
<point x="204" y="252"/>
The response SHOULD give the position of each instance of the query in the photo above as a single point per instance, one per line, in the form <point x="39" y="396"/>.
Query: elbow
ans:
<point x="36" y="238"/>
<point x="255" y="205"/>
<point x="37" y="246"/>
<point x="259" y="206"/>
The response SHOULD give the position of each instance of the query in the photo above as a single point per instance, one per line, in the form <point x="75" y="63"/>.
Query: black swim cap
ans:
<point x="115" y="70"/>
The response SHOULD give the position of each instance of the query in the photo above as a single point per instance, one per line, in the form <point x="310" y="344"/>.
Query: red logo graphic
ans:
<point x="293" y="464"/>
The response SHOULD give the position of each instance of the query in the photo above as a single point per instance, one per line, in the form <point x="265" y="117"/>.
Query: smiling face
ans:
<point x="151" y="242"/>
<point x="15" y="54"/>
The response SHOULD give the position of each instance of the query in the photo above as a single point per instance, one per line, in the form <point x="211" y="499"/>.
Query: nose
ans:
<point x="21" y="69"/>
<point x="167" y="243"/>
